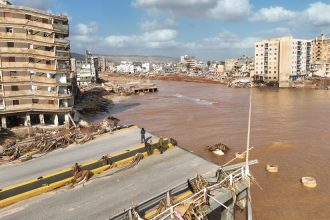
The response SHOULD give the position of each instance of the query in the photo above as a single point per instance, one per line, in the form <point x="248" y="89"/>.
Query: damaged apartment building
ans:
<point x="87" y="71"/>
<point x="36" y="82"/>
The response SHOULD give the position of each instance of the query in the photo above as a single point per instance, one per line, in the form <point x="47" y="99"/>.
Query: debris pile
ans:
<point x="224" y="148"/>
<point x="46" y="141"/>
<point x="92" y="100"/>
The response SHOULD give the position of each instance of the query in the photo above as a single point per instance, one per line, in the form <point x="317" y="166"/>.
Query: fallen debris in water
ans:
<point x="309" y="182"/>
<point x="218" y="149"/>
<point x="240" y="155"/>
<point x="219" y="152"/>
<point x="272" y="168"/>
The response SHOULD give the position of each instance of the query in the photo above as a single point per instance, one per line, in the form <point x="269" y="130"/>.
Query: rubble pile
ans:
<point x="92" y="100"/>
<point x="45" y="141"/>
<point x="218" y="146"/>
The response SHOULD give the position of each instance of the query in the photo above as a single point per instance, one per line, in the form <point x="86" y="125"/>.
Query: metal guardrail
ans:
<point x="232" y="178"/>
<point x="238" y="172"/>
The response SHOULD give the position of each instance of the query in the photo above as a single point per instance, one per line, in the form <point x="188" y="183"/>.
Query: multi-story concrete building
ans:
<point x="230" y="64"/>
<point x="36" y="83"/>
<point x="282" y="59"/>
<point x="267" y="53"/>
<point x="189" y="61"/>
<point x="321" y="56"/>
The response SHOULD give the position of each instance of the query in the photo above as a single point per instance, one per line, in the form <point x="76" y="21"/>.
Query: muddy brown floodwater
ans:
<point x="290" y="128"/>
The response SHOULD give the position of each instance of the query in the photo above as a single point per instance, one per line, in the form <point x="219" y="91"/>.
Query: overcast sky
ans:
<point x="208" y="29"/>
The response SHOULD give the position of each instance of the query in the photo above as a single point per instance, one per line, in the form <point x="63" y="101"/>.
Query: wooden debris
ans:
<point x="46" y="141"/>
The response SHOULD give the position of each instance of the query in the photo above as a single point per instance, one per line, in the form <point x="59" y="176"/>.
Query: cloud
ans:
<point x="152" y="39"/>
<point x="229" y="10"/>
<point x="318" y="14"/>
<point x="86" y="29"/>
<point x="223" y="40"/>
<point x="39" y="4"/>
<point x="274" y="14"/>
<point x="276" y="32"/>
<point x="226" y="10"/>
<point x="85" y="36"/>
<point x="156" y="25"/>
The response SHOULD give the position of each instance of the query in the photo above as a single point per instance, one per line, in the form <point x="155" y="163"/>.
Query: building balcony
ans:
<point x="15" y="50"/>
<point x="61" y="41"/>
<point x="42" y="66"/>
<point x="43" y="79"/>
<point x="61" y="28"/>
<point x="65" y="69"/>
<point x="24" y="37"/>
<point x="29" y="107"/>
<point x="16" y="78"/>
<point x="25" y="22"/>
<point x="61" y="54"/>
<point x="30" y="93"/>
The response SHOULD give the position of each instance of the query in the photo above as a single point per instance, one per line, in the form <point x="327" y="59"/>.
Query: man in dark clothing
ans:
<point x="143" y="135"/>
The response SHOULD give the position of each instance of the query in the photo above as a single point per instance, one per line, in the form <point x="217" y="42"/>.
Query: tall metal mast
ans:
<point x="248" y="138"/>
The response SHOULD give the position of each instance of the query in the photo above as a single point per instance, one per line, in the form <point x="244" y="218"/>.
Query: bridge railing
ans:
<point x="234" y="177"/>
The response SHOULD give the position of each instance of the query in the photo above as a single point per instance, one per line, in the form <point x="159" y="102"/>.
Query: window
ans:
<point x="28" y="17"/>
<point x="9" y="30"/>
<point x="275" y="77"/>
<point x="11" y="59"/>
<point x="35" y="101"/>
<point x="10" y="44"/>
<point x="7" y="14"/>
<point x="45" y="20"/>
<point x="14" y="88"/>
<point x="15" y="102"/>
<point x="46" y="35"/>
<point x="31" y="60"/>
<point x="51" y="102"/>
<point x="48" y="62"/>
<point x="13" y="73"/>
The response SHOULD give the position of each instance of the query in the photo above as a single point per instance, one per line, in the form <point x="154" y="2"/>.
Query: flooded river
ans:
<point x="290" y="128"/>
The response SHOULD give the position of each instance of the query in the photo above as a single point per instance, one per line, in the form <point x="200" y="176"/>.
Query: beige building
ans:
<point x="321" y="56"/>
<point x="230" y="64"/>
<point x="36" y="84"/>
<point x="189" y="61"/>
<point x="282" y="60"/>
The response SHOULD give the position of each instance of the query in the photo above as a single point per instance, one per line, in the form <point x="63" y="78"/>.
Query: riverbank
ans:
<point x="245" y="82"/>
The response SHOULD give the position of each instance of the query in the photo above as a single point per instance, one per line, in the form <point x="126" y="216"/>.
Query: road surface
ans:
<point x="65" y="158"/>
<point x="104" y="197"/>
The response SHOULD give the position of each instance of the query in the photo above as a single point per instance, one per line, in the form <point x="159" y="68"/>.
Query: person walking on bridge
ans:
<point x="143" y="135"/>
<point x="161" y="145"/>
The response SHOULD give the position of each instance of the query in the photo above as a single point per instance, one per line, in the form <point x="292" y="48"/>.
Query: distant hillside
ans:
<point x="145" y="59"/>
<point x="132" y="58"/>
<point x="78" y="56"/>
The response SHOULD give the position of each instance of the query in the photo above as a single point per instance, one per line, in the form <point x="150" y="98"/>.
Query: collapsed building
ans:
<point x="36" y="83"/>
